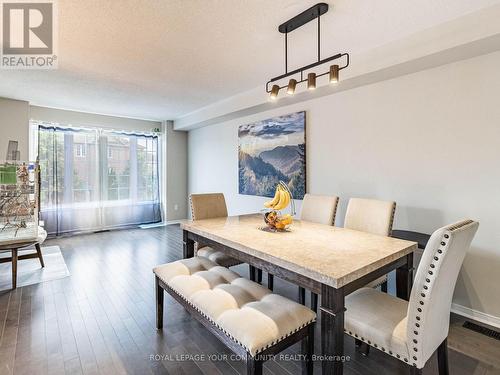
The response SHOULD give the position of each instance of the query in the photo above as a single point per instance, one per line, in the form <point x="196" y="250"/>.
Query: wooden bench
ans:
<point x="248" y="318"/>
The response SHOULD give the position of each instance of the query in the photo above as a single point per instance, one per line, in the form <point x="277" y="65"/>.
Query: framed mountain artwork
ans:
<point x="272" y="150"/>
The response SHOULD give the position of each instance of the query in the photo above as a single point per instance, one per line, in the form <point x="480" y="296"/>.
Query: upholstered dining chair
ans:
<point x="412" y="331"/>
<point x="210" y="206"/>
<point x="320" y="209"/>
<point x="372" y="216"/>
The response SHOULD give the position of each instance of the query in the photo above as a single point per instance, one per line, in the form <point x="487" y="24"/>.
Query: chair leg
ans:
<point x="254" y="366"/>
<point x="14" y="268"/>
<point x="415" y="371"/>
<point x="259" y="276"/>
<point x="270" y="281"/>
<point x="159" y="304"/>
<point x="314" y="302"/>
<point x="365" y="349"/>
<point x="383" y="287"/>
<point x="40" y="256"/>
<point x="362" y="347"/>
<point x="308" y="351"/>
<point x="302" y="296"/>
<point x="251" y="271"/>
<point x="443" y="358"/>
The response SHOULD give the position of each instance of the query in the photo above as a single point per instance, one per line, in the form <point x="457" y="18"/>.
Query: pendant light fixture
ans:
<point x="314" y="12"/>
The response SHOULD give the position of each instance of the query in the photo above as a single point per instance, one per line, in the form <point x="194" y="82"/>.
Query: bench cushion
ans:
<point x="246" y="311"/>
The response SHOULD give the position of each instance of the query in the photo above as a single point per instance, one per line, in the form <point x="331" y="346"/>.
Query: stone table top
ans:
<point x="330" y="255"/>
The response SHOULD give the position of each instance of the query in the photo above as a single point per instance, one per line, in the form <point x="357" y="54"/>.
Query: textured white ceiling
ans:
<point x="160" y="59"/>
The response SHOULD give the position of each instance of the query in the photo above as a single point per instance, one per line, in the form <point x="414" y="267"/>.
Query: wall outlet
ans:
<point x="176" y="207"/>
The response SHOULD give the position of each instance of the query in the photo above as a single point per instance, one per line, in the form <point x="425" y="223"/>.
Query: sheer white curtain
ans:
<point x="95" y="179"/>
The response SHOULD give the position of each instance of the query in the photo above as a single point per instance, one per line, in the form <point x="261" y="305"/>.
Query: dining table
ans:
<point x="330" y="261"/>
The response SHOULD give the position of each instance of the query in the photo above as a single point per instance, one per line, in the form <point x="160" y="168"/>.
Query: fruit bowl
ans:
<point x="273" y="216"/>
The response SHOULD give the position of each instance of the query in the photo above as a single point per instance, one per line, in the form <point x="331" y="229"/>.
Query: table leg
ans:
<point x="253" y="272"/>
<point x="302" y="296"/>
<point x="159" y="303"/>
<point x="404" y="278"/>
<point x="188" y="245"/>
<point x="332" y="330"/>
<point x="40" y="255"/>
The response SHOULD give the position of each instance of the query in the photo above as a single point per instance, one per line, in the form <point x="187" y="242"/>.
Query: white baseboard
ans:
<point x="162" y="224"/>
<point x="479" y="316"/>
<point x="175" y="221"/>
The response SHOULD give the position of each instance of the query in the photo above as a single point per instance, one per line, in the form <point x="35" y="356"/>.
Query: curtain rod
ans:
<point x="93" y="128"/>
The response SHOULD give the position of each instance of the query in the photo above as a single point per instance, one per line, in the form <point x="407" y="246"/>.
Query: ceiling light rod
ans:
<point x="294" y="23"/>
<point x="300" y="20"/>
<point x="302" y="79"/>
<point x="307" y="67"/>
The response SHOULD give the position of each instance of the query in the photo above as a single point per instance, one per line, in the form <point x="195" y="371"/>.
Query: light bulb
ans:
<point x="311" y="81"/>
<point x="274" y="92"/>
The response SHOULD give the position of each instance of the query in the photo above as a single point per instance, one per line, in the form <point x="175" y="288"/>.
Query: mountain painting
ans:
<point x="272" y="150"/>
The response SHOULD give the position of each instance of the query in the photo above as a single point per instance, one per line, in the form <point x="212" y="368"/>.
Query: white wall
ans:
<point x="176" y="203"/>
<point x="14" y="115"/>
<point x="429" y="140"/>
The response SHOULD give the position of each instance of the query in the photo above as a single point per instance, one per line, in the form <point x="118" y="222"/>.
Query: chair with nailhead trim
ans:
<point x="412" y="331"/>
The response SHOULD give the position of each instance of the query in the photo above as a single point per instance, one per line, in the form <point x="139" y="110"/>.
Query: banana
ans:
<point x="281" y="201"/>
<point x="275" y="200"/>
<point x="284" y="200"/>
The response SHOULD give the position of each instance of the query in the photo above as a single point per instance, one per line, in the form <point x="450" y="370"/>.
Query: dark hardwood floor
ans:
<point x="101" y="320"/>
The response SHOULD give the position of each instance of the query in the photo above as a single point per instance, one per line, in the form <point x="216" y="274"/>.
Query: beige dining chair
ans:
<point x="319" y="209"/>
<point x="413" y="330"/>
<point x="372" y="216"/>
<point x="210" y="206"/>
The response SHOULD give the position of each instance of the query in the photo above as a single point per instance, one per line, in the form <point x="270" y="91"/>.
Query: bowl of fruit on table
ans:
<point x="273" y="216"/>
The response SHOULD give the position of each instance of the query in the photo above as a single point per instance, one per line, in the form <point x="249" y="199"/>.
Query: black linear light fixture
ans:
<point x="316" y="11"/>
